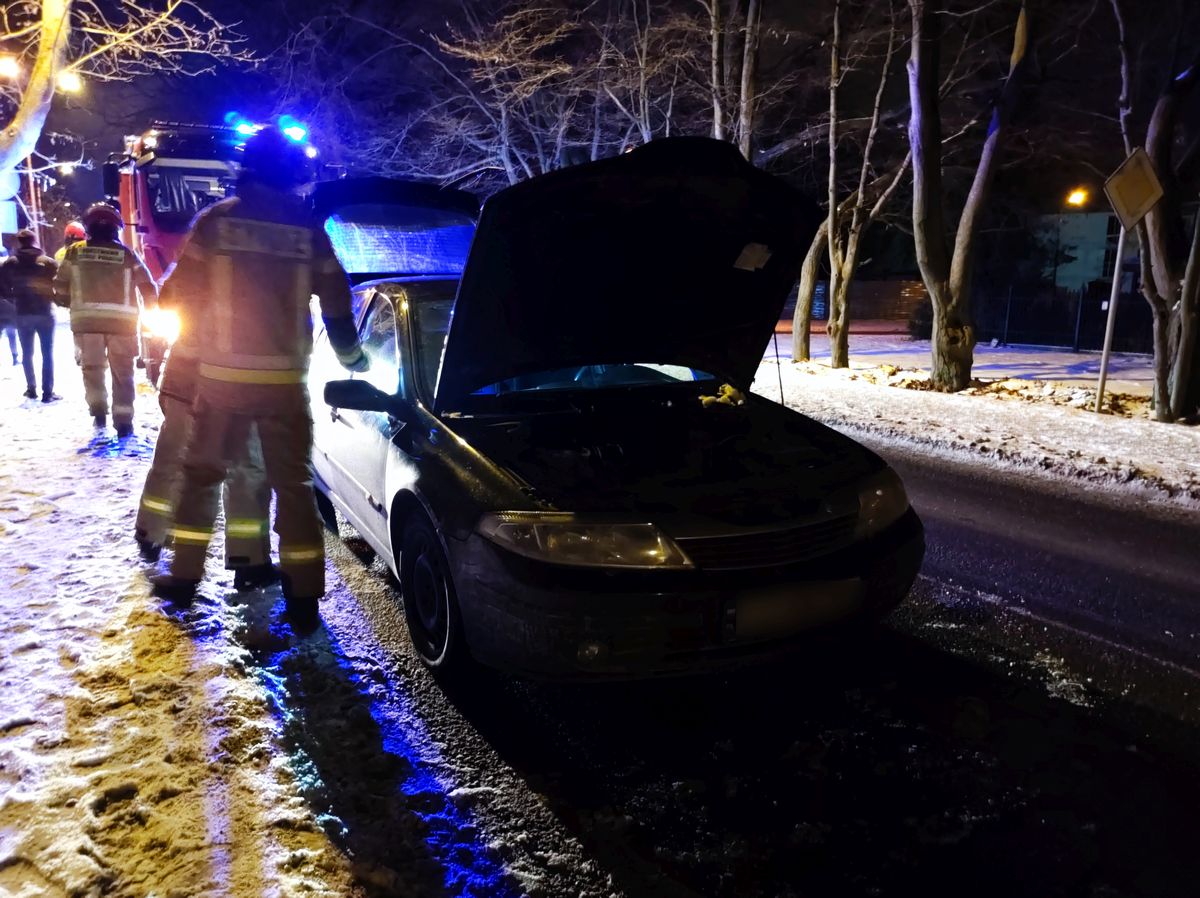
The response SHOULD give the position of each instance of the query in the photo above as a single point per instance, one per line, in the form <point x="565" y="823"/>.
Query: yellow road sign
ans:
<point x="1133" y="189"/>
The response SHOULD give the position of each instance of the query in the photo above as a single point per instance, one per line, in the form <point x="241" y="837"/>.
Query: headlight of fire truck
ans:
<point x="161" y="323"/>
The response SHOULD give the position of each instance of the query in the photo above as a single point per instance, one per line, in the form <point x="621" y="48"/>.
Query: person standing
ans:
<point x="100" y="281"/>
<point x="27" y="279"/>
<point x="244" y="282"/>
<point x="246" y="496"/>
<point x="72" y="233"/>
<point x="8" y="318"/>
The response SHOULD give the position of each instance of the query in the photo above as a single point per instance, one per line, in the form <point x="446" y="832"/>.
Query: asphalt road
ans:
<point x="1113" y="568"/>
<point x="1025" y="724"/>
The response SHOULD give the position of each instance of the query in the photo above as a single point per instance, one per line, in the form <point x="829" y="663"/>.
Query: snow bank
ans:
<point x="1022" y="428"/>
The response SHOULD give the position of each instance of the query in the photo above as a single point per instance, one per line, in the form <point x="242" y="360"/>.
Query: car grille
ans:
<point x="768" y="548"/>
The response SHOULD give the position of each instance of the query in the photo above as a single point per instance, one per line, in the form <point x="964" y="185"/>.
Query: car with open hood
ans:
<point x="556" y="449"/>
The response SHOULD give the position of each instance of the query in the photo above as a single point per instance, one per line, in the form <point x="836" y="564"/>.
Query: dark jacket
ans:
<point x="27" y="278"/>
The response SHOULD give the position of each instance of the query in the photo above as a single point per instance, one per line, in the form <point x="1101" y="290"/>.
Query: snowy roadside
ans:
<point x="146" y="751"/>
<point x="1103" y="452"/>
<point x="138" y="752"/>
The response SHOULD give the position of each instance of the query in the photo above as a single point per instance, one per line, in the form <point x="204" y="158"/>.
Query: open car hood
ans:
<point x="385" y="227"/>
<point x="679" y="252"/>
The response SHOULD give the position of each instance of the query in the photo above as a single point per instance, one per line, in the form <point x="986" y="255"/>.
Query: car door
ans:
<point x="357" y="443"/>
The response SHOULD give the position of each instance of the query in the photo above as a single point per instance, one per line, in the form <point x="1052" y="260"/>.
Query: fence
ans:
<point x="1074" y="319"/>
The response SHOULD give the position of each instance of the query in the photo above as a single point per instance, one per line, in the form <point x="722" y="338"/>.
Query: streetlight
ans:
<point x="69" y="82"/>
<point x="9" y="67"/>
<point x="1077" y="197"/>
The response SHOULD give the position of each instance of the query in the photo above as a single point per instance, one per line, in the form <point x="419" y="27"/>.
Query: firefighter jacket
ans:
<point x="27" y="279"/>
<point x="97" y="282"/>
<point x="243" y="288"/>
<point x="61" y="252"/>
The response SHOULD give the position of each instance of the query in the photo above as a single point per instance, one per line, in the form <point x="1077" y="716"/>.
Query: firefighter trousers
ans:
<point x="217" y="439"/>
<point x="114" y="352"/>
<point x="245" y="495"/>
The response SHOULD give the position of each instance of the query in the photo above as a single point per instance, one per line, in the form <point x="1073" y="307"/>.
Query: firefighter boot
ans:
<point x="177" y="590"/>
<point x="149" y="551"/>
<point x="255" y="576"/>
<point x="300" y="611"/>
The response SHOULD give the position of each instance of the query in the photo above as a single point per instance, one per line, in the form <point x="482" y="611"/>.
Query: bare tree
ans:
<point x="1170" y="266"/>
<point x="847" y="220"/>
<point x="946" y="270"/>
<point x="56" y="40"/>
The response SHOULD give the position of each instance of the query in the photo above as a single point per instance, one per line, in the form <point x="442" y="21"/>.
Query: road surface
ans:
<point x="1026" y="724"/>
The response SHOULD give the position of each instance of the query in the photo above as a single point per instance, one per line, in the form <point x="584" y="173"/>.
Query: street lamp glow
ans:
<point x="1077" y="197"/>
<point x="69" y="82"/>
<point x="9" y="67"/>
<point x="67" y="168"/>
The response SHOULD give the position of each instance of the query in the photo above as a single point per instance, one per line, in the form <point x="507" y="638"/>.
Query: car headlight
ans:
<point x="881" y="502"/>
<point x="563" y="539"/>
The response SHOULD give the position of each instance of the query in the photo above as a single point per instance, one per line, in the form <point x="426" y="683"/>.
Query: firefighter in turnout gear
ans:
<point x="72" y="233"/>
<point x="99" y="281"/>
<point x="244" y="283"/>
<point x="245" y="494"/>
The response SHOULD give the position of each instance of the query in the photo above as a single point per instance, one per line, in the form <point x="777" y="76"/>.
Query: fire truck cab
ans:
<point x="163" y="178"/>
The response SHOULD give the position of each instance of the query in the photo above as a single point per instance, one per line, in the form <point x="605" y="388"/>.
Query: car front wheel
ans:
<point x="430" y="603"/>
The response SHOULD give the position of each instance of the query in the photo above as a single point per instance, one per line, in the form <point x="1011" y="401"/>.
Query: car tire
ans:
<point x="430" y="601"/>
<point x="326" y="510"/>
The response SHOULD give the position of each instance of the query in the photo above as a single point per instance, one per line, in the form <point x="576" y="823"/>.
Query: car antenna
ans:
<point x="778" y="369"/>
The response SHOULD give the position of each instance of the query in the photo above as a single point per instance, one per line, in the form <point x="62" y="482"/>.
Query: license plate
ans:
<point x="778" y="611"/>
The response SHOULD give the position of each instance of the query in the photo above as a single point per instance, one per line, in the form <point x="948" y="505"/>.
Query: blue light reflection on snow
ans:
<point x="387" y="239"/>
<point x="470" y="868"/>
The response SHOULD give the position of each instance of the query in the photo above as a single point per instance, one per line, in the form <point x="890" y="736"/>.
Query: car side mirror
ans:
<point x="359" y="396"/>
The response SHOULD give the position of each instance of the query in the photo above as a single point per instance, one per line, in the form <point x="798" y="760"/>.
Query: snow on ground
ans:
<point x="1034" y="426"/>
<point x="138" y="755"/>
<point x="148" y="751"/>
<point x="1128" y="373"/>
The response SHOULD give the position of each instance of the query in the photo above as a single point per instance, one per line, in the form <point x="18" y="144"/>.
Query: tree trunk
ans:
<point x="952" y="348"/>
<point x="947" y="275"/>
<point x="1162" y="361"/>
<point x="716" y="31"/>
<point x="1184" y="399"/>
<point x="802" y="317"/>
<point x="747" y="99"/>
<point x="20" y="137"/>
<point x="839" y="319"/>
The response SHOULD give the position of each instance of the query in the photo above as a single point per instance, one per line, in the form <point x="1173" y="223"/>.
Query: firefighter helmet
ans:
<point x="102" y="216"/>
<point x="74" y="231"/>
<point x="271" y="158"/>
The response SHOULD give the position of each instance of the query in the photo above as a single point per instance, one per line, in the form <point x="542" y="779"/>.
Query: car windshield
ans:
<point x="432" y="307"/>
<point x="431" y="304"/>
<point x="596" y="377"/>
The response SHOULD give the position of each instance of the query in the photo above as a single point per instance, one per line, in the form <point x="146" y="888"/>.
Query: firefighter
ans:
<point x="247" y="498"/>
<point x="72" y="233"/>
<point x="244" y="282"/>
<point x="97" y="282"/>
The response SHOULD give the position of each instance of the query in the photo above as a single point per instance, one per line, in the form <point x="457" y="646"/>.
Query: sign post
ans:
<point x="1132" y="189"/>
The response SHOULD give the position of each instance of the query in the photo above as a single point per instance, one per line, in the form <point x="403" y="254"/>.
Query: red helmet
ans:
<point x="74" y="231"/>
<point x="101" y="215"/>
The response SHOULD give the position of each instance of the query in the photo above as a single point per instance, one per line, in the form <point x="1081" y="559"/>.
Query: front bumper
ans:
<point x="535" y="618"/>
